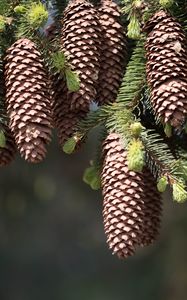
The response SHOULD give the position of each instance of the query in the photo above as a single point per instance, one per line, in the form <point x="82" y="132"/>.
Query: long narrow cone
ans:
<point x="65" y="120"/>
<point x="28" y="100"/>
<point x="132" y="204"/>
<point x="113" y="52"/>
<point x="81" y="43"/>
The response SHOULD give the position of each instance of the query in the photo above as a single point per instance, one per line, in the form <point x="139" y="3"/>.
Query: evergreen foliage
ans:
<point x="130" y="90"/>
<point x="145" y="140"/>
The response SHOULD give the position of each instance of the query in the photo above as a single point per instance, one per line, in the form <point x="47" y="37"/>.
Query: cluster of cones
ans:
<point x="94" y="41"/>
<point x="132" y="207"/>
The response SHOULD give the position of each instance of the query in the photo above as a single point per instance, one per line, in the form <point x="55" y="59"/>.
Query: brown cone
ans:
<point x="167" y="68"/>
<point x="113" y="52"/>
<point x="65" y="120"/>
<point x="132" y="205"/>
<point x="81" y="42"/>
<point x="28" y="100"/>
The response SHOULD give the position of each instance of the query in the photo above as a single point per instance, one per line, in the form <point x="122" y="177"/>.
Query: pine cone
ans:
<point x="7" y="153"/>
<point x="113" y="52"/>
<point x="80" y="42"/>
<point x="167" y="68"/>
<point x="64" y="119"/>
<point x="130" y="202"/>
<point x="28" y="100"/>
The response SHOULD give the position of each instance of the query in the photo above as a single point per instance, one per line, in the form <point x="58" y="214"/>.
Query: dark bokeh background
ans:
<point x="52" y="244"/>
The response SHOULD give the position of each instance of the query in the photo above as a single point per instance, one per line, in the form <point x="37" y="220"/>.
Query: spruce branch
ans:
<point x="94" y="119"/>
<point x="114" y="117"/>
<point x="181" y="165"/>
<point x="120" y="122"/>
<point x="158" y="155"/>
<point x="134" y="78"/>
<point x="162" y="163"/>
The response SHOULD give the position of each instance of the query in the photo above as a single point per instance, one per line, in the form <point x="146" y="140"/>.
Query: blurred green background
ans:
<point x="52" y="244"/>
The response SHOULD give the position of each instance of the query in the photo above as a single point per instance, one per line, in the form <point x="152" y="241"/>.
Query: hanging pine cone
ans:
<point x="113" y="52"/>
<point x="81" y="42"/>
<point x="28" y="100"/>
<point x="64" y="119"/>
<point x="132" y="205"/>
<point x="7" y="153"/>
<point x="167" y="68"/>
